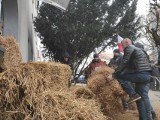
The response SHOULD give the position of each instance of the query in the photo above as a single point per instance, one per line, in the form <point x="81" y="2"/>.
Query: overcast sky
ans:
<point x="142" y="7"/>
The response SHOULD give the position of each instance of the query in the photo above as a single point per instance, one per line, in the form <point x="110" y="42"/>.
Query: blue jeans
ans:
<point x="141" y="80"/>
<point x="144" y="104"/>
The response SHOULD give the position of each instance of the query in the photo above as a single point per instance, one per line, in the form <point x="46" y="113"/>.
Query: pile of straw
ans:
<point x="107" y="92"/>
<point x="12" y="56"/>
<point x="38" y="91"/>
<point x="84" y="93"/>
<point x="56" y="106"/>
<point x="23" y="88"/>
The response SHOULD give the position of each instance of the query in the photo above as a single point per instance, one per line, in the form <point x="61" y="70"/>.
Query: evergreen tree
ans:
<point x="84" y="26"/>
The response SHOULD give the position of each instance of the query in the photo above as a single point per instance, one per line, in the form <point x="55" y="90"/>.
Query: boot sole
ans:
<point x="134" y="100"/>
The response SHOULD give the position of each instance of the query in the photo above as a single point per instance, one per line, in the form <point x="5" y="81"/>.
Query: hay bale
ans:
<point x="103" y="70"/>
<point x="107" y="92"/>
<point x="132" y="106"/>
<point x="12" y="56"/>
<point x="84" y="93"/>
<point x="37" y="76"/>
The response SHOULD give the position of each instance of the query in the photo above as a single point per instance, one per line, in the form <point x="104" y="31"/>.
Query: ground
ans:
<point x="155" y="101"/>
<point x="133" y="114"/>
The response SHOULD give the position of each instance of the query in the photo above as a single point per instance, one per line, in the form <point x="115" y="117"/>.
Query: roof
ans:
<point x="62" y="4"/>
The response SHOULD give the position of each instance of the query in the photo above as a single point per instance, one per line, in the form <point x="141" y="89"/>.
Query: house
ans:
<point x="16" y="19"/>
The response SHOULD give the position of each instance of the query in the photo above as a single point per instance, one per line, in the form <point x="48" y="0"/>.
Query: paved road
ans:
<point x="155" y="98"/>
<point x="155" y="101"/>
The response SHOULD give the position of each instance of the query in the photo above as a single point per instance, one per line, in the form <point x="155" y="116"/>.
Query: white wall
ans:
<point x="23" y="14"/>
<point x="18" y="23"/>
<point x="10" y="20"/>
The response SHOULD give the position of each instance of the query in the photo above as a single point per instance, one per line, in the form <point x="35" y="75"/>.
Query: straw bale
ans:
<point x="12" y="56"/>
<point x="107" y="92"/>
<point x="37" y="76"/>
<point x="103" y="70"/>
<point x="132" y="106"/>
<point x="84" y="93"/>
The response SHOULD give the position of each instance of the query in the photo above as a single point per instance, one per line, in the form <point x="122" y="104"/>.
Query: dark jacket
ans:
<point x="134" y="60"/>
<point x="115" y="61"/>
<point x="67" y="63"/>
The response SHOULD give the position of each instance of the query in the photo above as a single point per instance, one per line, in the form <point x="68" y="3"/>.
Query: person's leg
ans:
<point x="141" y="109"/>
<point x="153" y="113"/>
<point x="138" y="77"/>
<point x="142" y="90"/>
<point x="127" y="87"/>
<point x="125" y="103"/>
<point x="140" y="105"/>
<point x="152" y="109"/>
<point x="141" y="79"/>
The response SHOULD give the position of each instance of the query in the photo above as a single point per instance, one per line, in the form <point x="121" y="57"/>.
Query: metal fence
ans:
<point x="155" y="84"/>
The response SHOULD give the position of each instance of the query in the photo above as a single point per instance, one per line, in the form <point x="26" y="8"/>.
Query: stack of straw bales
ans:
<point x="107" y="92"/>
<point x="12" y="56"/>
<point x="38" y="91"/>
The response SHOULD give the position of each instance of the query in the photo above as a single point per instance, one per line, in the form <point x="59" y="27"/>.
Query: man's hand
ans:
<point x="109" y="77"/>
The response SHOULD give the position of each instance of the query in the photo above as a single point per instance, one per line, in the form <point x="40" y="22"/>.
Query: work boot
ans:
<point x="154" y="116"/>
<point x="134" y="98"/>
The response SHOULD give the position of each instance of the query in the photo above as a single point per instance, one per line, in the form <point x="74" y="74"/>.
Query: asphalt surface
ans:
<point x="155" y="98"/>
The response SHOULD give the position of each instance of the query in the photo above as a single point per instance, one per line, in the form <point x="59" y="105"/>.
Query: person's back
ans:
<point x="134" y="60"/>
<point x="155" y="72"/>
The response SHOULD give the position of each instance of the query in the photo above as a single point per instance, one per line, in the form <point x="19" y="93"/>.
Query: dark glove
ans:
<point x="116" y="74"/>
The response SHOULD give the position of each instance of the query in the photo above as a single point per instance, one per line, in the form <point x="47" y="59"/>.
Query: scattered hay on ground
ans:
<point x="12" y="56"/>
<point x="107" y="92"/>
<point x="130" y="115"/>
<point x="56" y="106"/>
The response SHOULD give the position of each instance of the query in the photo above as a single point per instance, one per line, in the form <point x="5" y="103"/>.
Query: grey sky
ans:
<point x="142" y="7"/>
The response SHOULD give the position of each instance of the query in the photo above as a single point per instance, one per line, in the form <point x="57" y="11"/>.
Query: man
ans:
<point x="116" y="60"/>
<point x="141" y="46"/>
<point x="114" y="63"/>
<point x="66" y="60"/>
<point x="96" y="62"/>
<point x="135" y="68"/>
